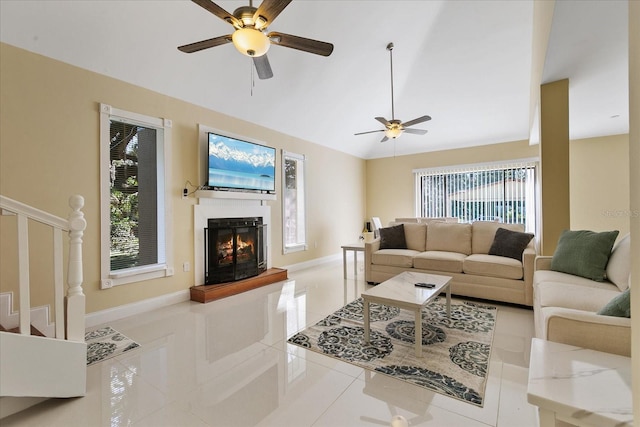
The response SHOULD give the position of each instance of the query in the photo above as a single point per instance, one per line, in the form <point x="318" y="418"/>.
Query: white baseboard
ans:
<point x="313" y="263"/>
<point x="111" y="314"/>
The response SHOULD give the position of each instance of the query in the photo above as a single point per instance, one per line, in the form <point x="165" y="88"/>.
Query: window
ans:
<point x="135" y="215"/>
<point x="504" y="193"/>
<point x="293" y="203"/>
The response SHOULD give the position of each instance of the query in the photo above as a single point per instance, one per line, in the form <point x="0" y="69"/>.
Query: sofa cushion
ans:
<point x="509" y="243"/>
<point x="583" y="253"/>
<point x="415" y="235"/>
<point x="619" y="266"/>
<point x="549" y="294"/>
<point x="541" y="276"/>
<point x="449" y="237"/>
<point x="484" y="233"/>
<point x="619" y="306"/>
<point x="450" y="262"/>
<point x="394" y="257"/>
<point x="493" y="266"/>
<point x="393" y="237"/>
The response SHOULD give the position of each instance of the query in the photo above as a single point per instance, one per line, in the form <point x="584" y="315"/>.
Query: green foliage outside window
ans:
<point x="124" y="217"/>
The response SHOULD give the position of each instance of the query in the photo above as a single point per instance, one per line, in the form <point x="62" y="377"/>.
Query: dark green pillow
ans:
<point x="584" y="253"/>
<point x="509" y="243"/>
<point x="619" y="306"/>
<point x="393" y="237"/>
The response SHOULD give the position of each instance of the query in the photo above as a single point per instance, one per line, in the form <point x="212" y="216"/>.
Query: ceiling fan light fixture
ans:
<point x="393" y="132"/>
<point x="260" y="22"/>
<point x="251" y="42"/>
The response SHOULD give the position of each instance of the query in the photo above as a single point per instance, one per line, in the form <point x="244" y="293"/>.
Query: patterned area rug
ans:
<point x="455" y="353"/>
<point x="105" y="343"/>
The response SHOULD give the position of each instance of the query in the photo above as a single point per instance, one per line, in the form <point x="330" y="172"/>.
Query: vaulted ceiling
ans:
<point x="467" y="64"/>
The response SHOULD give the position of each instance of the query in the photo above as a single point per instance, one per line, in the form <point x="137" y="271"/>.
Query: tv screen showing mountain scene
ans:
<point x="242" y="165"/>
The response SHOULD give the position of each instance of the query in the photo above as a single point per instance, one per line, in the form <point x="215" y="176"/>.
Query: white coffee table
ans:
<point x="400" y="291"/>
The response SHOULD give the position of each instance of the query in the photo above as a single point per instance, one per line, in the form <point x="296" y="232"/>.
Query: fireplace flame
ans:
<point x="225" y="248"/>
<point x="242" y="244"/>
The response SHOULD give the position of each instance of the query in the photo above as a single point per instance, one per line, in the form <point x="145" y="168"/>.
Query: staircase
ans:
<point x="52" y="361"/>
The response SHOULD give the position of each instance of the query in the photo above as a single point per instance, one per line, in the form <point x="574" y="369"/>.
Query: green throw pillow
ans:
<point x="619" y="306"/>
<point x="584" y="253"/>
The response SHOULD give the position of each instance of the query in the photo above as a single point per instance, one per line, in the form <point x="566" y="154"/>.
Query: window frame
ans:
<point x="301" y="193"/>
<point x="164" y="268"/>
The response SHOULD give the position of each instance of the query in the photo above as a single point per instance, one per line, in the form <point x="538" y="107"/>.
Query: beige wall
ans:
<point x="390" y="181"/>
<point x="599" y="175"/>
<point x="49" y="150"/>
<point x="599" y="179"/>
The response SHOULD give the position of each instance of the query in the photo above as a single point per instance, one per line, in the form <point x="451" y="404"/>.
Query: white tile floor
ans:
<point x="227" y="363"/>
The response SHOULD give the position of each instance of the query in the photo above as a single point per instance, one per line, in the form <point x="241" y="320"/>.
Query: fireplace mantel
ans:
<point x="240" y="195"/>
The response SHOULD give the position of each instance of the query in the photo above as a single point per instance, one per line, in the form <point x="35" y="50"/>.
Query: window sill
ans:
<point x="292" y="249"/>
<point x="138" y="274"/>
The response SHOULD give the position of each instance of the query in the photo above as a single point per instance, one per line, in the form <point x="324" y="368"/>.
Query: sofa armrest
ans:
<point x="528" y="259"/>
<point x="543" y="262"/>
<point x="588" y="330"/>
<point x="369" y="249"/>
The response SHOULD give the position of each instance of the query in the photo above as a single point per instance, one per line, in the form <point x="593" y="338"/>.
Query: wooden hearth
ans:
<point x="207" y="293"/>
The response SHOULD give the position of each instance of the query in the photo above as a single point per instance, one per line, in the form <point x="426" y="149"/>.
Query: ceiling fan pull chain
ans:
<point x="252" y="83"/>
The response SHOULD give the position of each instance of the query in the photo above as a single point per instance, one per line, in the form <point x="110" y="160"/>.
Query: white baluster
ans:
<point x="75" y="308"/>
<point x="23" y="275"/>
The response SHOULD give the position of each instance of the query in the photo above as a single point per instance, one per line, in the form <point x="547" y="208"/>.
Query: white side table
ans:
<point x="355" y="247"/>
<point x="579" y="386"/>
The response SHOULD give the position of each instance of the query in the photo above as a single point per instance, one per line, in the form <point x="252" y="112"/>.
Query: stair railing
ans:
<point x="69" y="308"/>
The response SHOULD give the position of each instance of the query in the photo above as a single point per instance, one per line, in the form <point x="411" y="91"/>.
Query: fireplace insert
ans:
<point x="235" y="248"/>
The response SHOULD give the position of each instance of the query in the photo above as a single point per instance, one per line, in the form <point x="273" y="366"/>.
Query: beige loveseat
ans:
<point x="459" y="250"/>
<point x="566" y="306"/>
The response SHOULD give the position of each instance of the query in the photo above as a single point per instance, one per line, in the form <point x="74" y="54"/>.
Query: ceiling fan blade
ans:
<point x="301" y="43"/>
<point x="371" y="131"/>
<point x="386" y="138"/>
<point x="268" y="12"/>
<point x="205" y="44"/>
<point x="383" y="121"/>
<point x="416" y="131"/>
<point x="416" y="121"/>
<point x="262" y="67"/>
<point x="219" y="12"/>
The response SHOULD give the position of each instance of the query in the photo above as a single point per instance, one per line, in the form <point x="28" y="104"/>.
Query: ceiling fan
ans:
<point x="394" y="128"/>
<point x="250" y="36"/>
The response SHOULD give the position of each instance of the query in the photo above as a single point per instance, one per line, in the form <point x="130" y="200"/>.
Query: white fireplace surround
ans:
<point x="224" y="208"/>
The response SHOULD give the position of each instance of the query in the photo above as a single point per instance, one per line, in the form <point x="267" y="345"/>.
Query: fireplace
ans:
<point x="235" y="248"/>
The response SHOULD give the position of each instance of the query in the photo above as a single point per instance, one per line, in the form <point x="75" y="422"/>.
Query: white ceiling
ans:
<point x="465" y="63"/>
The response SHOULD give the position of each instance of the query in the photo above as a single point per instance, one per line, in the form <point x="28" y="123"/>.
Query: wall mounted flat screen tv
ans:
<point x="234" y="164"/>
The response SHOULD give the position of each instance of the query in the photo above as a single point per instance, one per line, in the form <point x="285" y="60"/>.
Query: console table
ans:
<point x="579" y="386"/>
<point x="355" y="247"/>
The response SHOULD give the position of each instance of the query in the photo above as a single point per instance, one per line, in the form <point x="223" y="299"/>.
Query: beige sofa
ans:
<point x="458" y="250"/>
<point x="566" y="306"/>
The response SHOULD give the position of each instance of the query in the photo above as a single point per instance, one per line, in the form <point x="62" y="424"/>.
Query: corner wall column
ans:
<point x="554" y="163"/>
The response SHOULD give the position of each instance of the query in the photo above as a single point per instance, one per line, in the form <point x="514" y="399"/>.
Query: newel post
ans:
<point x="75" y="299"/>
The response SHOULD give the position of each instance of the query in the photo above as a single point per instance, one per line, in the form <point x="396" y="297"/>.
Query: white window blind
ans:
<point x="503" y="193"/>
<point x="293" y="203"/>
